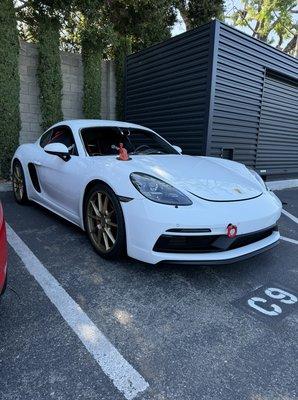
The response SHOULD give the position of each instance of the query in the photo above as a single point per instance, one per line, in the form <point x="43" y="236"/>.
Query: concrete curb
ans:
<point x="280" y="185"/>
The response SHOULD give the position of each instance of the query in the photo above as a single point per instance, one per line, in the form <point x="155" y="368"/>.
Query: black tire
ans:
<point x="18" y="178"/>
<point x="101" y="228"/>
<point x="4" y="287"/>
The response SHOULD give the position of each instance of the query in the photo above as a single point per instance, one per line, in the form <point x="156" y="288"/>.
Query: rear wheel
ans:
<point x="19" y="183"/>
<point x="104" y="222"/>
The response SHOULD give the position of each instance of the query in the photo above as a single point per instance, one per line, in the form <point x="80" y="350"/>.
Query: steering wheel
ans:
<point x="145" y="146"/>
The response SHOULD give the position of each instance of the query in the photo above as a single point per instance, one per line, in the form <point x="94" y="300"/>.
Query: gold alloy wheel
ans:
<point x="18" y="182"/>
<point x="102" y="221"/>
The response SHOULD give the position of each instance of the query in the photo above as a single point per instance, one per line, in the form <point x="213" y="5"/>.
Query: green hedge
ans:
<point x="9" y="86"/>
<point x="49" y="71"/>
<point x="92" y="81"/>
<point x="122" y="49"/>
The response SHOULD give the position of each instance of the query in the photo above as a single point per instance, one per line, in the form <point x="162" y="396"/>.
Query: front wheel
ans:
<point x="19" y="183"/>
<point x="104" y="222"/>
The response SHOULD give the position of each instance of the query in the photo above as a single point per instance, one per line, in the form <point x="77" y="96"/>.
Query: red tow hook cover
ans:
<point x="232" y="231"/>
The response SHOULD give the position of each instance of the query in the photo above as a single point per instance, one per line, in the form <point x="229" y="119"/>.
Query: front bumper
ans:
<point x="230" y="258"/>
<point x="147" y="221"/>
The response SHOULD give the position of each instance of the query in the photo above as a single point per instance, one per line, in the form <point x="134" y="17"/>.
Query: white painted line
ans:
<point x="126" y="379"/>
<point x="292" y="217"/>
<point x="289" y="240"/>
<point x="284" y="184"/>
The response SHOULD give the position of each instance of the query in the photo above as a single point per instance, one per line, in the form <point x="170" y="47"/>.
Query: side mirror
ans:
<point x="58" y="149"/>
<point x="177" y="148"/>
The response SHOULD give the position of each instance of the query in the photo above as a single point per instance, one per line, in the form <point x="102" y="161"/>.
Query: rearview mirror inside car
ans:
<point x="58" y="149"/>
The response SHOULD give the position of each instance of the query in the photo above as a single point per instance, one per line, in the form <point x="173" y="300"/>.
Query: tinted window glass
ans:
<point x="102" y="141"/>
<point x="60" y="134"/>
<point x="46" y="138"/>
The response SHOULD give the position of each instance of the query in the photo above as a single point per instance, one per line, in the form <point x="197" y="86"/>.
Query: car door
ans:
<point x="59" y="179"/>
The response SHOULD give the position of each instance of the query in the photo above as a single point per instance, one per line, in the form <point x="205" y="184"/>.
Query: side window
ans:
<point x="62" y="134"/>
<point x="44" y="140"/>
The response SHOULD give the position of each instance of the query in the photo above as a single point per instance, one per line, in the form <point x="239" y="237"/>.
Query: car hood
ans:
<point x="206" y="177"/>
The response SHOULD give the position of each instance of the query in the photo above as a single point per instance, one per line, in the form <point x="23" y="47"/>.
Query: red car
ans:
<point x="3" y="253"/>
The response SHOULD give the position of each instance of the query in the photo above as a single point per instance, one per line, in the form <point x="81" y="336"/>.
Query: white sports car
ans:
<point x="134" y="192"/>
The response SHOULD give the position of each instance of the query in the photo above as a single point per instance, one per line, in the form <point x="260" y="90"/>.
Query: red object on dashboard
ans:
<point x="123" y="155"/>
<point x="3" y="252"/>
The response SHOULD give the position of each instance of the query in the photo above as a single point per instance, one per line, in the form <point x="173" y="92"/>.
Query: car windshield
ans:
<point x="105" y="141"/>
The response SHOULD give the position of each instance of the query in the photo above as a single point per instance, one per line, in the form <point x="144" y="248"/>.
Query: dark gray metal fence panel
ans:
<point x="278" y="137"/>
<point x="167" y="87"/>
<point x="205" y="90"/>
<point x="241" y="66"/>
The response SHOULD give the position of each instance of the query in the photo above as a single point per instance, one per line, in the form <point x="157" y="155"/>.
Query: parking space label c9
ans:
<point x="269" y="301"/>
<point x="274" y="293"/>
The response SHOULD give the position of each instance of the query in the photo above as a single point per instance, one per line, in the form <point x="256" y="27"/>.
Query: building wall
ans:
<point x="72" y="77"/>
<point x="209" y="91"/>
<point x="242" y="65"/>
<point x="167" y="88"/>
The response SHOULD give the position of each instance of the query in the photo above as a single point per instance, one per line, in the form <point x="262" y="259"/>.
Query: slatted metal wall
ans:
<point x="212" y="91"/>
<point x="244" y="99"/>
<point x="277" y="150"/>
<point x="167" y="85"/>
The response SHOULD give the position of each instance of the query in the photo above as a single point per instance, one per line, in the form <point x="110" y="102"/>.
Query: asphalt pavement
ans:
<point x="189" y="332"/>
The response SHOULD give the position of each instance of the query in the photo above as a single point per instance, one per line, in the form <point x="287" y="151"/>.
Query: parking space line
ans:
<point x="289" y="240"/>
<point x="292" y="217"/>
<point x="125" y="378"/>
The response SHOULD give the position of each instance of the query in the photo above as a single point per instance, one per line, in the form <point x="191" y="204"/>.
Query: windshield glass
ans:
<point x="105" y="141"/>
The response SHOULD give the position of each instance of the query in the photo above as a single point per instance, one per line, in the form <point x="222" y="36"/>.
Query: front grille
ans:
<point x="208" y="243"/>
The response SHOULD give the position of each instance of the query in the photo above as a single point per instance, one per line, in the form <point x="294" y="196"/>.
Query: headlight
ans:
<point x="258" y="178"/>
<point x="157" y="190"/>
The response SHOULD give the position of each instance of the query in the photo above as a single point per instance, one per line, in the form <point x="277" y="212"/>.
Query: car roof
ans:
<point x="76" y="124"/>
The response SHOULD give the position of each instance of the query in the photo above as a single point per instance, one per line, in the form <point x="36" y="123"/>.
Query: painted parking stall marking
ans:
<point x="125" y="378"/>
<point x="293" y="218"/>
<point x="270" y="303"/>
<point x="286" y="239"/>
<point x="289" y="215"/>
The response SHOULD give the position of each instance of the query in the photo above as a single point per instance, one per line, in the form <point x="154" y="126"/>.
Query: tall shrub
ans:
<point x="49" y="70"/>
<point x="96" y="35"/>
<point x="137" y="25"/>
<point x="122" y="49"/>
<point x="9" y="86"/>
<point x="91" y="58"/>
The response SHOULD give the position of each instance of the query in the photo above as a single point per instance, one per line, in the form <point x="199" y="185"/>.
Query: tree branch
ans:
<point x="291" y="45"/>
<point x="24" y="5"/>
<point x="240" y="13"/>
<point x="276" y="21"/>
<point x="248" y="25"/>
